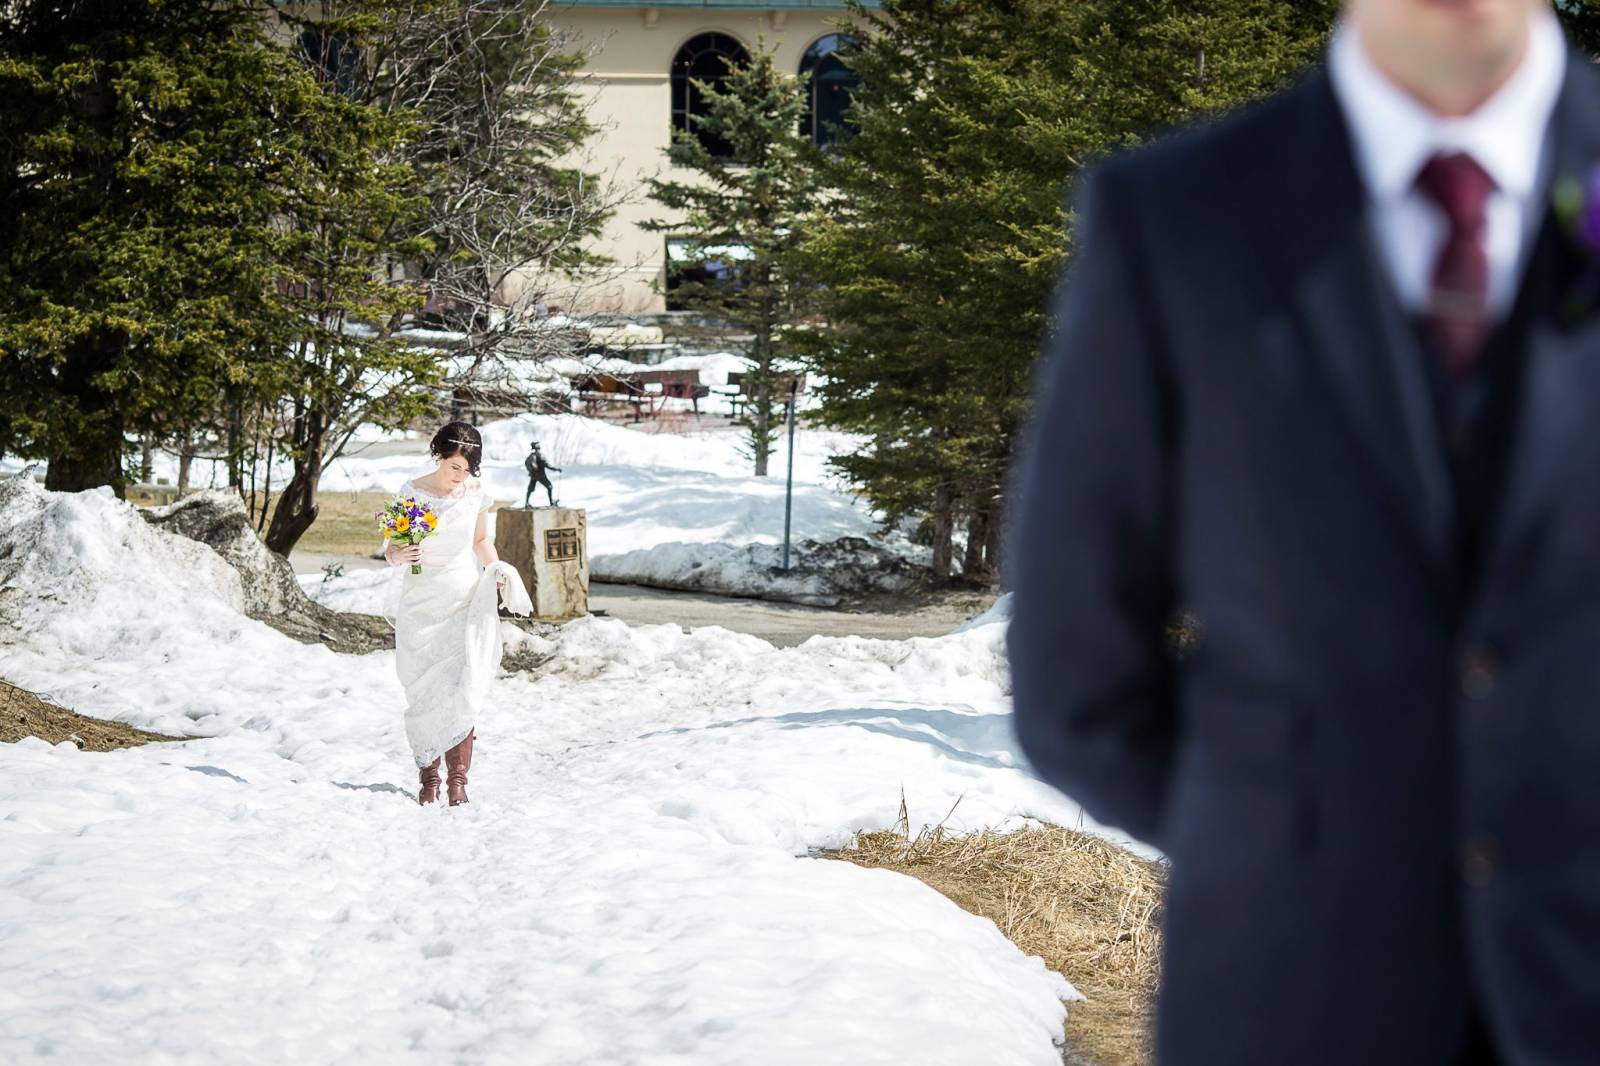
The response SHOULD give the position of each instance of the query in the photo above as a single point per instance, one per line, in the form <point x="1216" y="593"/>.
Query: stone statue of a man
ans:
<point x="536" y="467"/>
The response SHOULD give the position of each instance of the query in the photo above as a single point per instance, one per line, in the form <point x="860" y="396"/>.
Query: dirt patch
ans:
<point x="1089" y="909"/>
<point x="956" y="602"/>
<point x="345" y="633"/>
<point x="344" y="524"/>
<point x="26" y="714"/>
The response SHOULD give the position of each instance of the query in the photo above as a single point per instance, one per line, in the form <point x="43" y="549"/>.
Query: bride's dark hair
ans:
<point x="458" y="438"/>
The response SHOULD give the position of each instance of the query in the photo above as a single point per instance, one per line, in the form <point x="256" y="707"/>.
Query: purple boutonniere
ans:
<point x="1577" y="206"/>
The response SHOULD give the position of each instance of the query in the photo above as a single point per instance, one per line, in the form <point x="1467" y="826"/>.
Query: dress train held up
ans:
<point x="447" y="625"/>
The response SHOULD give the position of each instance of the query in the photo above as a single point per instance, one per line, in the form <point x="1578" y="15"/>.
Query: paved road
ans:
<point x="783" y="624"/>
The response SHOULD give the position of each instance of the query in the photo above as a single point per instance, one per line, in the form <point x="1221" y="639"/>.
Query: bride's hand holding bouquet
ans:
<point x="404" y="523"/>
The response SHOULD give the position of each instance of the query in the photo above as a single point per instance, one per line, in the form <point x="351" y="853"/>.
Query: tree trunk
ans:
<point x="95" y="457"/>
<point x="973" y="564"/>
<point x="761" y="431"/>
<point x="92" y="468"/>
<point x="235" y="430"/>
<point x="264" y="500"/>
<point x="996" y="538"/>
<point x="760" y="437"/>
<point x="185" y="462"/>
<point x="297" y="503"/>
<point x="943" y="524"/>
<point x="297" y="507"/>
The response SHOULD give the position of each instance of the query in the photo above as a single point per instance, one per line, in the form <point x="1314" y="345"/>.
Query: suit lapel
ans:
<point x="1358" y="335"/>
<point x="1561" y="359"/>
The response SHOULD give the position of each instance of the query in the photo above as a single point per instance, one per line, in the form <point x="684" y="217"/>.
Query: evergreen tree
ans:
<point x="215" y="237"/>
<point x="139" y="188"/>
<point x="937" y="255"/>
<point x="1581" y="20"/>
<point x="754" y="199"/>
<point x="353" y="210"/>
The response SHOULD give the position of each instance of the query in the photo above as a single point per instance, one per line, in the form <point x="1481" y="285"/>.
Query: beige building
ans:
<point x="643" y="56"/>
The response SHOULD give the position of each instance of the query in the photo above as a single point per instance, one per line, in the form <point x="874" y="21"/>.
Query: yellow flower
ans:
<point x="402" y="524"/>
<point x="432" y="521"/>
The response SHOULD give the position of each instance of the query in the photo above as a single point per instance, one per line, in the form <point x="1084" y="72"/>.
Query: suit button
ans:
<point x="1480" y="857"/>
<point x="1478" y="673"/>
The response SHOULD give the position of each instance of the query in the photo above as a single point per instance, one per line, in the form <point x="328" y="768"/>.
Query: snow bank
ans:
<point x="818" y="574"/>
<point x="83" y="569"/>
<point x="630" y="884"/>
<point x="119" y="618"/>
<point x="640" y="488"/>
<point x="713" y="449"/>
<point x="729" y="569"/>
<point x="667" y="505"/>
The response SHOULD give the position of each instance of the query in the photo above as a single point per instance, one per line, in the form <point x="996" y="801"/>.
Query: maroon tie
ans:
<point x="1457" y="316"/>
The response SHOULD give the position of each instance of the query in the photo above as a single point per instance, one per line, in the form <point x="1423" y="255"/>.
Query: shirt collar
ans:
<point x="1394" y="134"/>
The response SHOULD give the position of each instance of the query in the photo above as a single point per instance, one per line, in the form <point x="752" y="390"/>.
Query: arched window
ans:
<point x="706" y="58"/>
<point x="829" y="85"/>
<point x="334" y="61"/>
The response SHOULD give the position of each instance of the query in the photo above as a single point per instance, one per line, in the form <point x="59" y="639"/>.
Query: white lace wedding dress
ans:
<point x="446" y="624"/>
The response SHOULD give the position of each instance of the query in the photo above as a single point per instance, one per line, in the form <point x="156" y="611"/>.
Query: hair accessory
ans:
<point x="468" y="443"/>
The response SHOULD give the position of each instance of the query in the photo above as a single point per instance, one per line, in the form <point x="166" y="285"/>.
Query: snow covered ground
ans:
<point x="631" y="883"/>
<point x="670" y="503"/>
<point x="668" y="507"/>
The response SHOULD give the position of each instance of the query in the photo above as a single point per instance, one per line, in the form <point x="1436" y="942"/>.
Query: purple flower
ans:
<point x="1586" y="224"/>
<point x="1577" y="204"/>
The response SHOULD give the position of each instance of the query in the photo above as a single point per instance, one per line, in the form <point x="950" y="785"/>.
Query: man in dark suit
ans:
<point x="1325" y="377"/>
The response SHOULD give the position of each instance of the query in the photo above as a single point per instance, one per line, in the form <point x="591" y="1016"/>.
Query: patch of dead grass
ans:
<point x="1088" y="908"/>
<point x="344" y="524"/>
<point x="26" y="714"/>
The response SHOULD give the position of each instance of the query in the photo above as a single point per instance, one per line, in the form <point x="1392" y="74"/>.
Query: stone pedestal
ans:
<point x="549" y="546"/>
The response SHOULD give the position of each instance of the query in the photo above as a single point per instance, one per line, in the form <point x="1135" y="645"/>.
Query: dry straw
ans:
<point x="27" y="714"/>
<point x="1088" y="908"/>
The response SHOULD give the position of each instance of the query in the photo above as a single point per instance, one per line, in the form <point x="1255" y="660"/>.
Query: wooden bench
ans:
<point x="596" y="389"/>
<point x="645" y="390"/>
<point x="747" y="390"/>
<point x="674" y="385"/>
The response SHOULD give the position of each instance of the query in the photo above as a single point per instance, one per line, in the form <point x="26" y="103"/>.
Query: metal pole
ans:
<point x="788" y="489"/>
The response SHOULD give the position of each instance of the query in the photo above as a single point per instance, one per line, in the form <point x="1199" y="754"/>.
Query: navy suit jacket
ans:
<point x="1377" y="779"/>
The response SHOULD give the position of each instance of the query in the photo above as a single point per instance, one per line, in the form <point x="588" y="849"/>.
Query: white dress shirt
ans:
<point x="1394" y="135"/>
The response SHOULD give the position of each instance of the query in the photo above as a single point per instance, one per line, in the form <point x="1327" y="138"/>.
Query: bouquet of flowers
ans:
<point x="405" y="521"/>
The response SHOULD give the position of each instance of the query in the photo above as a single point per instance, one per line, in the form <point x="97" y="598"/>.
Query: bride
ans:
<point x="446" y="623"/>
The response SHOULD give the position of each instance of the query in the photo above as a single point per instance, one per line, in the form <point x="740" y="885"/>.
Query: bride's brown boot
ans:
<point x="457" y="761"/>
<point x="429" y="776"/>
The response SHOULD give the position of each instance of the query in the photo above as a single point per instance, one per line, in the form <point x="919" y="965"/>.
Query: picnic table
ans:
<point x="745" y="390"/>
<point x="645" y="390"/>
<point x="675" y="385"/>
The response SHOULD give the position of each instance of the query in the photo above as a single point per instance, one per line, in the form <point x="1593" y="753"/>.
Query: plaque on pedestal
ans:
<point x="549" y="547"/>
